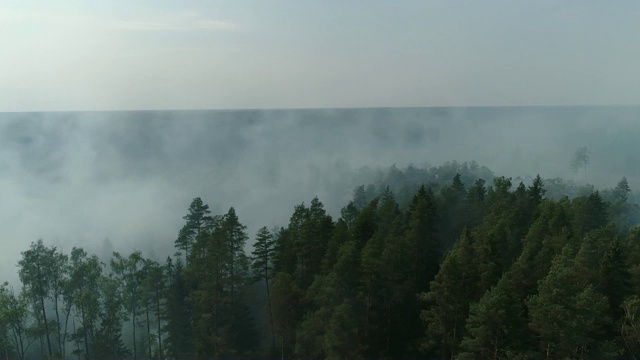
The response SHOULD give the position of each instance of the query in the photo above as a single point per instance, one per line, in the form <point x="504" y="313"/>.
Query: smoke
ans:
<point x="123" y="180"/>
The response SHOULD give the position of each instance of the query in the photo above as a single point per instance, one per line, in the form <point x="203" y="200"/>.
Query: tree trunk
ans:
<point x="86" y="339"/>
<point x="388" y="326"/>
<point x="149" y="331"/>
<point x="135" y="349"/>
<point x="66" y="327"/>
<point x="76" y="339"/>
<point x="46" y="326"/>
<point x="159" y="327"/>
<point x="273" y="332"/>
<point x="17" y="336"/>
<point x="55" y="304"/>
<point x="215" y="304"/>
<point x="233" y="277"/>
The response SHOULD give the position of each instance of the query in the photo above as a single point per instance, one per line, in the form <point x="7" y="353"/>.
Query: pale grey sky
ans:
<point x="150" y="54"/>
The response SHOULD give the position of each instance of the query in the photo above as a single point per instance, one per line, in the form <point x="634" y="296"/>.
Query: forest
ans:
<point x="439" y="263"/>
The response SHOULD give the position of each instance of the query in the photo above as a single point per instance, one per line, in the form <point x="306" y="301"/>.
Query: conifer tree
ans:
<point x="109" y="343"/>
<point x="179" y="314"/>
<point x="262" y="268"/>
<point x="197" y="220"/>
<point x="615" y="278"/>
<point x="422" y="233"/>
<point x="496" y="324"/>
<point x="447" y="302"/>
<point x="567" y="313"/>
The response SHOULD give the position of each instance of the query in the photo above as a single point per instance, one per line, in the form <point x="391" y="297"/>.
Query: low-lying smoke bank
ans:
<point x="124" y="180"/>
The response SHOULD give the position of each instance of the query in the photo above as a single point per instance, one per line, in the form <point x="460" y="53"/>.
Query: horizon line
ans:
<point x="327" y="108"/>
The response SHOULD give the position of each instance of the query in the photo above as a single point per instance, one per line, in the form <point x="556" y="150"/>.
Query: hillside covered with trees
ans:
<point x="422" y="263"/>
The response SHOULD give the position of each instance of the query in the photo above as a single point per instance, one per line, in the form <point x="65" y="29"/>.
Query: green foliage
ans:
<point x="568" y="314"/>
<point x="630" y="325"/>
<point x="197" y="221"/>
<point x="496" y="325"/>
<point x="615" y="278"/>
<point x="342" y="339"/>
<point x="590" y="213"/>
<point x="14" y="338"/>
<point x="536" y="191"/>
<point x="440" y="270"/>
<point x="178" y="313"/>
<point x="447" y="302"/>
<point x="263" y="255"/>
<point x="108" y="342"/>
<point x="422" y="235"/>
<point x="36" y="273"/>
<point x="287" y="312"/>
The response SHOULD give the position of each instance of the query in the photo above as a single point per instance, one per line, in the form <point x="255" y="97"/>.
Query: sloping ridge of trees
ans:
<point x="457" y="268"/>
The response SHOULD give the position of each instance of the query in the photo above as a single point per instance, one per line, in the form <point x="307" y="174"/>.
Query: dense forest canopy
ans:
<point x="439" y="262"/>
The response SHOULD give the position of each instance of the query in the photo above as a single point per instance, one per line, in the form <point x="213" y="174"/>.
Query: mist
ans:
<point x="123" y="181"/>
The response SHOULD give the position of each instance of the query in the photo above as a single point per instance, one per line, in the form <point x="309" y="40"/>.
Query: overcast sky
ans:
<point x="154" y="54"/>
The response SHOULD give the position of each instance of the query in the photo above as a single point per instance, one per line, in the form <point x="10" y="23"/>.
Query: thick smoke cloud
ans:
<point x="123" y="180"/>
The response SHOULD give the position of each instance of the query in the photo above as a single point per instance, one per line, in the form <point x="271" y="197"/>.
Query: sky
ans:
<point x="75" y="176"/>
<point x="67" y="55"/>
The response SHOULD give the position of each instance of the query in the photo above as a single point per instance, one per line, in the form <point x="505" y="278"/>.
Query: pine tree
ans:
<point x="108" y="343"/>
<point x="154" y="295"/>
<point x="220" y="275"/>
<point x="452" y="211"/>
<point x="262" y="268"/>
<point x="234" y="237"/>
<point x="568" y="314"/>
<point x="366" y="224"/>
<point x="314" y="237"/>
<point x="422" y="233"/>
<point x="536" y="191"/>
<point x="447" y="302"/>
<point x="179" y="314"/>
<point x="287" y="312"/>
<point x="590" y="213"/>
<point x="197" y="220"/>
<point x="375" y="287"/>
<point x="339" y="237"/>
<point x="342" y="339"/>
<point x="615" y="278"/>
<point x="476" y="203"/>
<point x="622" y="191"/>
<point x="496" y="324"/>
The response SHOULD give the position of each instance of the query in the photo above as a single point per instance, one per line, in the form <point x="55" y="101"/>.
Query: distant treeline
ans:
<point x="423" y="263"/>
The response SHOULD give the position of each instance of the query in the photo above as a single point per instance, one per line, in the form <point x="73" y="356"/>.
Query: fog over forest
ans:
<point x="123" y="180"/>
